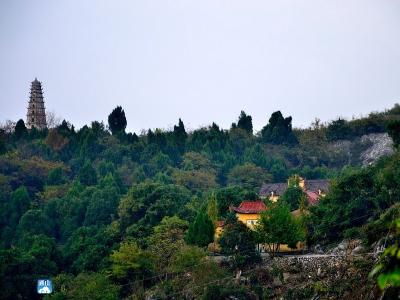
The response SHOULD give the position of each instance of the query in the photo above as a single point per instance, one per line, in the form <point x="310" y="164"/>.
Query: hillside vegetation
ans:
<point x="110" y="215"/>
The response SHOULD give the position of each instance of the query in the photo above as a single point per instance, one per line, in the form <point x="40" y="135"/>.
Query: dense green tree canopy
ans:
<point x="34" y="221"/>
<point x="277" y="226"/>
<point x="20" y="203"/>
<point x="356" y="197"/>
<point x="85" y="286"/>
<point x="232" y="196"/>
<point x="166" y="240"/>
<point x="129" y="261"/>
<point x="279" y="130"/>
<point x="112" y="210"/>
<point x="56" y="177"/>
<point x="201" y="231"/>
<point x="338" y="130"/>
<point x="293" y="197"/>
<point x="239" y="241"/>
<point x="248" y="176"/>
<point x="87" y="174"/>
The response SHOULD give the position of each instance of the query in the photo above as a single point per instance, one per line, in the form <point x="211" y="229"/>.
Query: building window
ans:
<point x="33" y="119"/>
<point x="251" y="222"/>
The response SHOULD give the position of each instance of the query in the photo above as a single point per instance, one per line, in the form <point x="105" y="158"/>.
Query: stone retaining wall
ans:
<point x="311" y="263"/>
<point x="330" y="276"/>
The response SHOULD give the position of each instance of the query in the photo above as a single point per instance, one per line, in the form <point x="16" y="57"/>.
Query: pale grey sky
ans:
<point x="203" y="60"/>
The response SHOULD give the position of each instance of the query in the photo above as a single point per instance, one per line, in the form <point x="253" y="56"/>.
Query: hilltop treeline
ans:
<point x="106" y="213"/>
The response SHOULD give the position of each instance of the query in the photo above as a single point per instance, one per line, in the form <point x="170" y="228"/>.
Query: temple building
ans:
<point x="314" y="189"/>
<point x="36" y="115"/>
<point x="249" y="212"/>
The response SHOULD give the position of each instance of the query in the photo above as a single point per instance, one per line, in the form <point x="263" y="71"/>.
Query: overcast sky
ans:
<point x="203" y="61"/>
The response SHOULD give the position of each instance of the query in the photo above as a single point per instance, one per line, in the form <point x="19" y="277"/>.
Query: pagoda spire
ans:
<point x="36" y="115"/>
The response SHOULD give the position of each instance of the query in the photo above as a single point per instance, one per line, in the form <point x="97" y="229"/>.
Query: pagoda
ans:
<point x="36" y="116"/>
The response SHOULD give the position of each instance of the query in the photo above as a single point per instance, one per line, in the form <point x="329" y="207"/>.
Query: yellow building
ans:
<point x="218" y="229"/>
<point x="248" y="212"/>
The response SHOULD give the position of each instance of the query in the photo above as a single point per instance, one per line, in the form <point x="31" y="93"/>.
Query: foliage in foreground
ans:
<point x="277" y="226"/>
<point x="388" y="268"/>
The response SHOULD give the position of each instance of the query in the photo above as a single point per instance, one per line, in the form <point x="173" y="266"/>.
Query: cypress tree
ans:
<point x="117" y="120"/>
<point x="212" y="210"/>
<point x="279" y="130"/>
<point x="20" y="129"/>
<point x="201" y="231"/>
<point x="245" y="122"/>
<point x="179" y="131"/>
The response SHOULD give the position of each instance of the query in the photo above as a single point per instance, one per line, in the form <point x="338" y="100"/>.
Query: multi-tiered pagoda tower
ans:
<point x="36" y="116"/>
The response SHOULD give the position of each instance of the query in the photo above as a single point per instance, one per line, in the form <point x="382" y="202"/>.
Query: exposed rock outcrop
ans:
<point x="364" y="150"/>
<point x="381" y="145"/>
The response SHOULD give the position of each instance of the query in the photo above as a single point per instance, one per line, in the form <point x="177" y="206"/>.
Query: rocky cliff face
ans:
<point x="365" y="150"/>
<point x="380" y="145"/>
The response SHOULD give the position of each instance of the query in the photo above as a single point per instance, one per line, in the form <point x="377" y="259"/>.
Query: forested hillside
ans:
<point x="109" y="214"/>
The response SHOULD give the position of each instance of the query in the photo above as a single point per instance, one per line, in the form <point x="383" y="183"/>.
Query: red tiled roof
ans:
<point x="250" y="207"/>
<point x="312" y="197"/>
